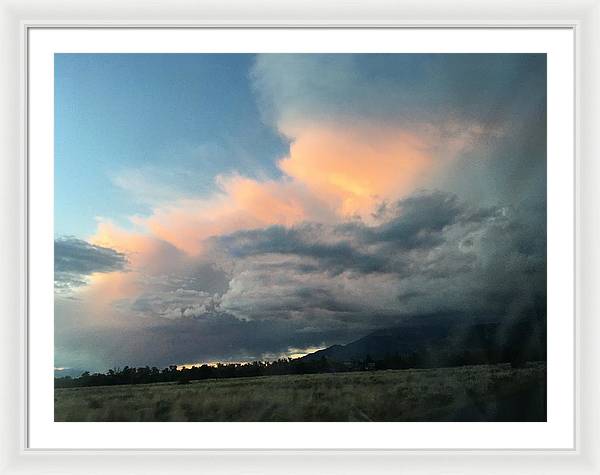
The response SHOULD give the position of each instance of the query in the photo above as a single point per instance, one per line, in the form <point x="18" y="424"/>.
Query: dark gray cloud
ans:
<point x="74" y="259"/>
<point x="192" y="290"/>
<point x="431" y="253"/>
<point x="412" y="224"/>
<point x="418" y="220"/>
<point x="160" y="342"/>
<point x="429" y="88"/>
<point x="431" y="256"/>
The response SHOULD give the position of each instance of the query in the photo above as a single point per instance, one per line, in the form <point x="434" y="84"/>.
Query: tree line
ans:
<point x="170" y="374"/>
<point x="146" y="374"/>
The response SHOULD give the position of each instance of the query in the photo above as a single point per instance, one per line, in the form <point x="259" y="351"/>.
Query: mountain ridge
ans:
<point x="433" y="343"/>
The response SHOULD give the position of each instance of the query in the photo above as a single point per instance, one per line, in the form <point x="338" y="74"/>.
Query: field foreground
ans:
<point x="468" y="393"/>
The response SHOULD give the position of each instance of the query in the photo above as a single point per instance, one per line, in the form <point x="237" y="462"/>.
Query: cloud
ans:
<point x="193" y="291"/>
<point x="267" y="290"/>
<point x="190" y="174"/>
<point x="355" y="167"/>
<point x="162" y="342"/>
<point x="416" y="222"/>
<point x="296" y="89"/>
<point x="364" y="129"/>
<point x="482" y="117"/>
<point x="75" y="260"/>
<point x="343" y="237"/>
<point x="330" y="175"/>
<point x="161" y="280"/>
<point x="430" y="253"/>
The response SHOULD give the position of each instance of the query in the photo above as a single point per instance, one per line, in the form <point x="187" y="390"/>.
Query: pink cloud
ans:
<point x="331" y="173"/>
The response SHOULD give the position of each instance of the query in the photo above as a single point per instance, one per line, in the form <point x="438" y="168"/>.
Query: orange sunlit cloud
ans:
<point x="356" y="168"/>
<point x="104" y="289"/>
<point x="243" y="203"/>
<point x="331" y="173"/>
<point x="146" y="255"/>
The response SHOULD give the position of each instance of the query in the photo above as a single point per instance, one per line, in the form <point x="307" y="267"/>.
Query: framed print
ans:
<point x="331" y="230"/>
<point x="331" y="244"/>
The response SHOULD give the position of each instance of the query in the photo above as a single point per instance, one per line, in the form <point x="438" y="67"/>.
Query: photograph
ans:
<point x="300" y="237"/>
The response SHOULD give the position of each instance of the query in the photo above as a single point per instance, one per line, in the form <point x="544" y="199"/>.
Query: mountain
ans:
<point x="446" y="342"/>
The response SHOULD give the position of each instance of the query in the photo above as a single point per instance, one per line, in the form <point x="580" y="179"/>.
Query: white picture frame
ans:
<point x="16" y="18"/>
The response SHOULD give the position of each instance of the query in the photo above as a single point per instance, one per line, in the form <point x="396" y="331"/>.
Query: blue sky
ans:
<point x="161" y="114"/>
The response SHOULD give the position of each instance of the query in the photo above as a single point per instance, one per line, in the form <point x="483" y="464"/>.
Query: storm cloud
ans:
<point x="431" y="253"/>
<point x="487" y="89"/>
<point x="275" y="290"/>
<point x="413" y="186"/>
<point x="75" y="259"/>
<point x="492" y="107"/>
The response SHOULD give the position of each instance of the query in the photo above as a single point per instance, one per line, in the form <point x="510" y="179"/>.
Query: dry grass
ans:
<point x="479" y="393"/>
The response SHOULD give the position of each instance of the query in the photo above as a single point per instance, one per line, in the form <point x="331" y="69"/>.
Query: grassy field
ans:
<point x="469" y="393"/>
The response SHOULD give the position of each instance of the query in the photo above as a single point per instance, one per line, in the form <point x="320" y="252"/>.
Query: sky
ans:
<point x="225" y="207"/>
